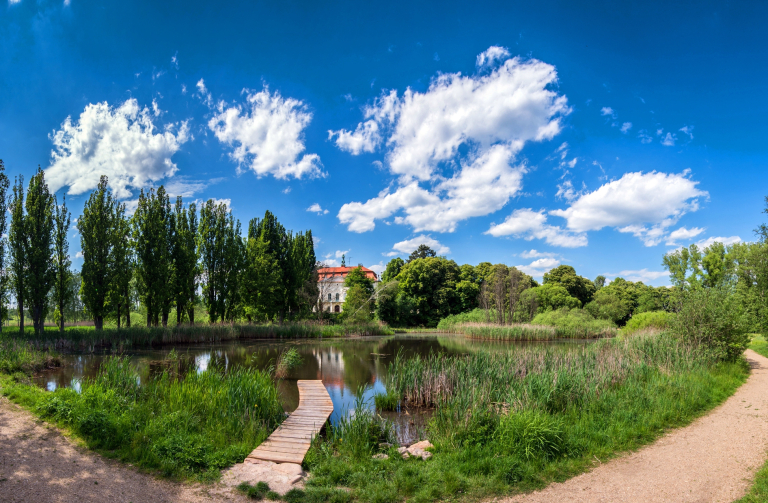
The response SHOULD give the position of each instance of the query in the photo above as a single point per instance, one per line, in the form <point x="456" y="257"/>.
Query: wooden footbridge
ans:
<point x="290" y="442"/>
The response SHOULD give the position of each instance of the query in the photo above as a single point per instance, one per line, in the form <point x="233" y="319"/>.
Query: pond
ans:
<point x="344" y="365"/>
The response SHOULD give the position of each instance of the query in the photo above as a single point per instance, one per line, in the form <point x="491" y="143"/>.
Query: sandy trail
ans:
<point x="38" y="464"/>
<point x="712" y="460"/>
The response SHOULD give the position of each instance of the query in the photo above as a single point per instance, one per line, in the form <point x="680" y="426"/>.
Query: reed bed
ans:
<point x="183" y="426"/>
<point x="19" y="356"/>
<point x="528" y="332"/>
<point x="83" y="338"/>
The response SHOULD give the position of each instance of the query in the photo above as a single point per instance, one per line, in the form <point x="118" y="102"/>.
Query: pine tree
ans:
<point x="17" y="241"/>
<point x="96" y="227"/>
<point x="61" y="260"/>
<point x="40" y="268"/>
<point x="4" y="276"/>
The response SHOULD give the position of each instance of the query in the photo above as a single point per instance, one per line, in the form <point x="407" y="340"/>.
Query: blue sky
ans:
<point x="532" y="134"/>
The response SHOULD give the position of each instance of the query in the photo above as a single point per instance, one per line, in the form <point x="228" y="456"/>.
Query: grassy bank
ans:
<point x="547" y="326"/>
<point x="510" y="422"/>
<point x="182" y="424"/>
<point x="18" y="356"/>
<point x="86" y="338"/>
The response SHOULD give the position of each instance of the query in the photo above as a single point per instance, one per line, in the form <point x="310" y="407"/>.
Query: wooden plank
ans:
<point x="290" y="442"/>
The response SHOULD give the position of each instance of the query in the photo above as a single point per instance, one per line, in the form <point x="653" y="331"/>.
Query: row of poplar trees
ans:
<point x="167" y="254"/>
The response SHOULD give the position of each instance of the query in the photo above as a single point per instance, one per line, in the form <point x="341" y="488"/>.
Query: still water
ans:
<point x="344" y="365"/>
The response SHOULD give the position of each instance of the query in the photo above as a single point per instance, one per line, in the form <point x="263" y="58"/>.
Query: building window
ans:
<point x="336" y="309"/>
<point x="329" y="297"/>
<point x="337" y="297"/>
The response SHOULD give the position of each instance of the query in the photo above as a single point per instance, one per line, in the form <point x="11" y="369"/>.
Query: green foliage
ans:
<point x="188" y="427"/>
<point x="356" y="277"/>
<point x="261" y="288"/>
<point x="531" y="434"/>
<point x="61" y="261"/>
<point x="423" y="251"/>
<point x="572" y="318"/>
<point x="713" y="318"/>
<point x="19" y="356"/>
<point x="429" y="287"/>
<point x="393" y="269"/>
<point x="608" y="304"/>
<point x="96" y="227"/>
<point x="386" y="401"/>
<point x="4" y="280"/>
<point x="659" y="320"/>
<point x="256" y="492"/>
<point x="184" y="256"/>
<point x="357" y="305"/>
<point x="578" y="287"/>
<point x="287" y="360"/>
<point x="550" y="296"/>
<point x="17" y="243"/>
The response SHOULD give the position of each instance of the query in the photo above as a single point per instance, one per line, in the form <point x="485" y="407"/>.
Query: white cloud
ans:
<point x="537" y="268"/>
<point x="669" y="140"/>
<point x="204" y="94"/>
<point x="626" y="127"/>
<point x="725" y="240"/>
<point x="287" y="190"/>
<point x="529" y="224"/>
<point x="315" y="208"/>
<point x="267" y="135"/>
<point x="183" y="89"/>
<point x="121" y="142"/>
<point x="536" y="254"/>
<point x="633" y="202"/>
<point x="608" y="111"/>
<point x="329" y="261"/>
<point x="391" y="254"/>
<point x="643" y="275"/>
<point x="378" y="268"/>
<point x="79" y="254"/>
<point x="644" y="136"/>
<point x="682" y="234"/>
<point x="491" y="55"/>
<point x="483" y="186"/>
<point x="175" y="60"/>
<point x="687" y="130"/>
<point x="409" y="245"/>
<point x="184" y="187"/>
<point x="489" y="116"/>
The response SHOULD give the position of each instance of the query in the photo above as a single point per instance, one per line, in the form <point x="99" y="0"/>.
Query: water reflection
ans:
<point x="344" y="366"/>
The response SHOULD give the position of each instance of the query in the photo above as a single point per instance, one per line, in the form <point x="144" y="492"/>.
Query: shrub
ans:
<point x="713" y="318"/>
<point x="653" y="319"/>
<point x="530" y="434"/>
<point x="572" y="318"/>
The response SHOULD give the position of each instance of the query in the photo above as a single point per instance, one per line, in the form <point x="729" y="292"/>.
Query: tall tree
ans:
<point x="153" y="238"/>
<point x="185" y="260"/>
<point x="221" y="252"/>
<point x="423" y="251"/>
<point x="17" y="241"/>
<point x="122" y="265"/>
<point x="4" y="276"/>
<point x="96" y="226"/>
<point x="40" y="270"/>
<point x="261" y="281"/>
<point x="61" y="261"/>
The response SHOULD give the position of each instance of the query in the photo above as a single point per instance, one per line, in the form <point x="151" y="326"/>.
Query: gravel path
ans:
<point x="39" y="465"/>
<point x="712" y="460"/>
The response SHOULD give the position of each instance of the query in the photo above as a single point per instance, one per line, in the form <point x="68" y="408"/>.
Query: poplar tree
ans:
<point x="4" y="276"/>
<point x="96" y="227"/>
<point x="61" y="260"/>
<point x="185" y="260"/>
<point x="40" y="269"/>
<point x="17" y="241"/>
<point x="152" y="234"/>
<point x="261" y="280"/>
<point x="221" y="252"/>
<point x="122" y="265"/>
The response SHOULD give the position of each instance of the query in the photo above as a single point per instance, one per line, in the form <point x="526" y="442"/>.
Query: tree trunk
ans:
<point x="165" y="319"/>
<point x="128" y="315"/>
<point x="98" y="322"/>
<point x="149" y="318"/>
<point x="179" y="312"/>
<point x="61" y="317"/>
<point x="21" y="318"/>
<point x="192" y="314"/>
<point x="118" y="316"/>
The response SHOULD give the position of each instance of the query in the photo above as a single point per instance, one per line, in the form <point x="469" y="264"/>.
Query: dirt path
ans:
<point x="39" y="465"/>
<point x="712" y="460"/>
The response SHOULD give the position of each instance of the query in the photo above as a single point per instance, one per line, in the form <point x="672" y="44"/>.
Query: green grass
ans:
<point x="658" y="320"/>
<point x="86" y="338"/>
<point x="509" y="422"/>
<point x="18" y="356"/>
<point x="758" y="493"/>
<point x="187" y="426"/>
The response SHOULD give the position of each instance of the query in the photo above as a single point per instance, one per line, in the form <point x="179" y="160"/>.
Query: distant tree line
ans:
<point x="164" y="258"/>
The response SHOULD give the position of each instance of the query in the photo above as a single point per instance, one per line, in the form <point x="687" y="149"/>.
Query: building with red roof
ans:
<point x="330" y="283"/>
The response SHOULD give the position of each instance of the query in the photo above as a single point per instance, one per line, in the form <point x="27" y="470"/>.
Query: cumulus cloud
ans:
<point x="687" y="130"/>
<point x="315" y="208"/>
<point x="538" y="267"/>
<point x="79" y="254"/>
<point x="378" y="268"/>
<point x="492" y="116"/>
<point x="528" y="224"/>
<point x="644" y="136"/>
<point x="491" y="55"/>
<point x="536" y="254"/>
<point x="608" y="111"/>
<point x="121" y="142"/>
<point x="333" y="259"/>
<point x="682" y="234"/>
<point x="409" y="245"/>
<point x="720" y="239"/>
<point x="266" y="133"/>
<point x="644" y="204"/>
<point x="626" y="127"/>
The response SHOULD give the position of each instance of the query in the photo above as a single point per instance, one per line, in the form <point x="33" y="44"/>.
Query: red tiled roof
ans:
<point x="328" y="272"/>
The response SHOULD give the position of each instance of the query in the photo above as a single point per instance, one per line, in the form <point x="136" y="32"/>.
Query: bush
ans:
<point x="571" y="318"/>
<point x="714" y="319"/>
<point x="654" y="319"/>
